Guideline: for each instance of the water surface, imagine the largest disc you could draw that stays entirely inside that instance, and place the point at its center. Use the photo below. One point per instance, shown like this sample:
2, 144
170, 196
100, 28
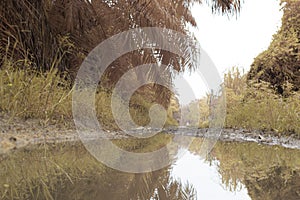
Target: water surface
231, 171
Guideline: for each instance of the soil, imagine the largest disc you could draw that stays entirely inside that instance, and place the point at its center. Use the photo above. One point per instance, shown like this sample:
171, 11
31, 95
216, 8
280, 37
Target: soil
17, 133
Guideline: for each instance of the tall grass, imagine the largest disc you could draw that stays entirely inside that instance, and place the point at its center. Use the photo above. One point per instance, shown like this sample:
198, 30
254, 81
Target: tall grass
47, 95
30, 93
257, 106
254, 106
27, 88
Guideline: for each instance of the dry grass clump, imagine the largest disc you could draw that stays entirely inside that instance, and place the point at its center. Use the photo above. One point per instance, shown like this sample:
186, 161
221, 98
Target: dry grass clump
30, 93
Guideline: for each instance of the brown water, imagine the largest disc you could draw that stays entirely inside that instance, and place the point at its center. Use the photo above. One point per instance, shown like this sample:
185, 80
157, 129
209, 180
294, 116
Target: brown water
238, 171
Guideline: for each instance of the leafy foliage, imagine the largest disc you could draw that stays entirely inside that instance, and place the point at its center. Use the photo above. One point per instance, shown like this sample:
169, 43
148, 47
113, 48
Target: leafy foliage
280, 64
29, 28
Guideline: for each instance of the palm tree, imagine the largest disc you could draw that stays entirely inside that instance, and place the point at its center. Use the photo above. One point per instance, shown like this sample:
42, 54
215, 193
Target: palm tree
31, 27
60, 33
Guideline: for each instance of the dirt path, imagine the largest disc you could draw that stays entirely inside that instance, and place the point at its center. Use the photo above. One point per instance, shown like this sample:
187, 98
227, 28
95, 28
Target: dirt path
18, 133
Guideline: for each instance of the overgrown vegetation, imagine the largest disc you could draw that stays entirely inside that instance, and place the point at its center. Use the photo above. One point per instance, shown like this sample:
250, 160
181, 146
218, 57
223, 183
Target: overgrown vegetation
254, 106
36, 81
47, 96
43, 43
270, 100
279, 65
267, 97
43, 31
258, 106
34, 94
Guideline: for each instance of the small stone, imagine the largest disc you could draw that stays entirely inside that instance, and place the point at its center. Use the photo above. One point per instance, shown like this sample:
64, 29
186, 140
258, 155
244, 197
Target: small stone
13, 139
261, 138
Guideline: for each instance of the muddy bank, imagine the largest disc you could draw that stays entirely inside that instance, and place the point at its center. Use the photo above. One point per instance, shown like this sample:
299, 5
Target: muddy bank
263, 137
17, 133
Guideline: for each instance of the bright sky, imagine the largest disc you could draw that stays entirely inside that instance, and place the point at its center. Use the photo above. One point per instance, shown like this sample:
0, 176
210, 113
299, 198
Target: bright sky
236, 41
233, 41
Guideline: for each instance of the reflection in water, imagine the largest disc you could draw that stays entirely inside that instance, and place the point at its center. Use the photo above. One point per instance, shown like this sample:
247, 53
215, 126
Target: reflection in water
232, 171
268, 172
69, 172
205, 179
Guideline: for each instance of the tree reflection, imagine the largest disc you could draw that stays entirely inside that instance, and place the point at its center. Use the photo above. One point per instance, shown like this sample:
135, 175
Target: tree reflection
268, 172
69, 172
